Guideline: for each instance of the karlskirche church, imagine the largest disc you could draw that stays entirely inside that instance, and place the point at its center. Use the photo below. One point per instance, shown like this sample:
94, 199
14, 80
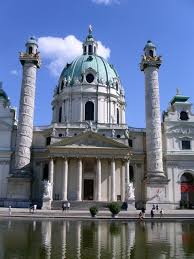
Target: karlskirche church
88, 154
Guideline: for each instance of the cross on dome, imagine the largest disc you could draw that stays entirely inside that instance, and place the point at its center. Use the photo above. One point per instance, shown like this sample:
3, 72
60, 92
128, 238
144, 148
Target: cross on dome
178, 91
90, 45
90, 29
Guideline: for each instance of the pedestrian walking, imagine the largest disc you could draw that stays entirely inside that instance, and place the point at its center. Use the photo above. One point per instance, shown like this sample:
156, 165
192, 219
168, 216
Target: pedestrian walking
161, 213
153, 207
63, 206
68, 205
141, 216
9, 210
143, 212
157, 208
152, 213
34, 207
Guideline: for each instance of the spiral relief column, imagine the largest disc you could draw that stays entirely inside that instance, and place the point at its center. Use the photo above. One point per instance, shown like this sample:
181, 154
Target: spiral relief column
30, 61
155, 179
150, 64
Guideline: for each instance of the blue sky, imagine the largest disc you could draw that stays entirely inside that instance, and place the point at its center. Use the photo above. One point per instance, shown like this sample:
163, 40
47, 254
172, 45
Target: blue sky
123, 27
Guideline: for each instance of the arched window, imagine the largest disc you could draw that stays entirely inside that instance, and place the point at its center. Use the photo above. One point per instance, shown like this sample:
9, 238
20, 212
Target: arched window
60, 114
62, 85
187, 186
89, 111
187, 178
117, 86
30, 50
117, 116
151, 53
90, 49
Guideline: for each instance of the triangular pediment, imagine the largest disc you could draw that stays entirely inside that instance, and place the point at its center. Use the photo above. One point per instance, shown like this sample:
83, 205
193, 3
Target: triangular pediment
89, 139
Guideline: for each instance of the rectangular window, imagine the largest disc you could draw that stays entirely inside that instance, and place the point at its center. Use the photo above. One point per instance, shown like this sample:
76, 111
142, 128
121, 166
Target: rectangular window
186, 144
130, 142
48, 141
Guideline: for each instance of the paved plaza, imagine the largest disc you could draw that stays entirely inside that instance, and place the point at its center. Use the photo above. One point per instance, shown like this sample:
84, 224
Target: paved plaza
85, 214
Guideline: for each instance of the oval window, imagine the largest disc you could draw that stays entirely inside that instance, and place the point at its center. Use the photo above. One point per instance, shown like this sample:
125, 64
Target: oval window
184, 116
90, 78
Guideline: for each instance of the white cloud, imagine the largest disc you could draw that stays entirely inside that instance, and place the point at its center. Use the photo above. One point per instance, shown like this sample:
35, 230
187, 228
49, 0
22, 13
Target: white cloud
14, 72
106, 2
58, 51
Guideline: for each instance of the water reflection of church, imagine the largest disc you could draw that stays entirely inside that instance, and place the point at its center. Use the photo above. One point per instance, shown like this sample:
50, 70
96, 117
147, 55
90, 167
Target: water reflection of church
94, 239
88, 152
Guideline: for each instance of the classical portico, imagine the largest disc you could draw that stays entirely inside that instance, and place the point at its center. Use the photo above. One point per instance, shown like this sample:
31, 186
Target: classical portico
83, 171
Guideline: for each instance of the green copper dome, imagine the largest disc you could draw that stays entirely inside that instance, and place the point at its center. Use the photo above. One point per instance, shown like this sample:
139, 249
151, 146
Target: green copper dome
103, 72
89, 68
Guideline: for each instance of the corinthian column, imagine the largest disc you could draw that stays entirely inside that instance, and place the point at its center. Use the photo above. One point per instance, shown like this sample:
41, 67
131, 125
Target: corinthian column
113, 193
65, 179
50, 176
79, 180
98, 174
123, 187
150, 65
30, 61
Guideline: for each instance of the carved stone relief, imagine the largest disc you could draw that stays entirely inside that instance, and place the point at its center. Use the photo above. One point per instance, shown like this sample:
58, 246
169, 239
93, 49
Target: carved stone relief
25, 123
153, 122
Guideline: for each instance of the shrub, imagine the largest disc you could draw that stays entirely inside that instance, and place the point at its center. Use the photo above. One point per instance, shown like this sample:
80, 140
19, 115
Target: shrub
93, 211
183, 204
114, 208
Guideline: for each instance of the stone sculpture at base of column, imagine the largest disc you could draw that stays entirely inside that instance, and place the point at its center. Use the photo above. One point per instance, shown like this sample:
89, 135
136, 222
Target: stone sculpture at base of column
47, 195
130, 196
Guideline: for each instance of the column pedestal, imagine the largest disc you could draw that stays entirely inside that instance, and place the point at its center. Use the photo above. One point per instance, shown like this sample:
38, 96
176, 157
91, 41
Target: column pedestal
157, 192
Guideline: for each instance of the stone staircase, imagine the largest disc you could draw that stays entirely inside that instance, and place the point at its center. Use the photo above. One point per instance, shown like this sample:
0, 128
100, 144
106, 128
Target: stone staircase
80, 205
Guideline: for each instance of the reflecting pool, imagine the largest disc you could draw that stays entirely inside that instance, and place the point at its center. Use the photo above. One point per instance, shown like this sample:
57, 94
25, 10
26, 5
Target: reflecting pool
95, 239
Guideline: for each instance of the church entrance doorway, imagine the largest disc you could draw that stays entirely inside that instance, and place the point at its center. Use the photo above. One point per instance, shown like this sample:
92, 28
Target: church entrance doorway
88, 189
187, 190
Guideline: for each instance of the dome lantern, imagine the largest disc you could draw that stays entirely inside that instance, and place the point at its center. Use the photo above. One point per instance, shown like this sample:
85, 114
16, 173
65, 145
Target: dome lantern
90, 45
150, 49
31, 45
